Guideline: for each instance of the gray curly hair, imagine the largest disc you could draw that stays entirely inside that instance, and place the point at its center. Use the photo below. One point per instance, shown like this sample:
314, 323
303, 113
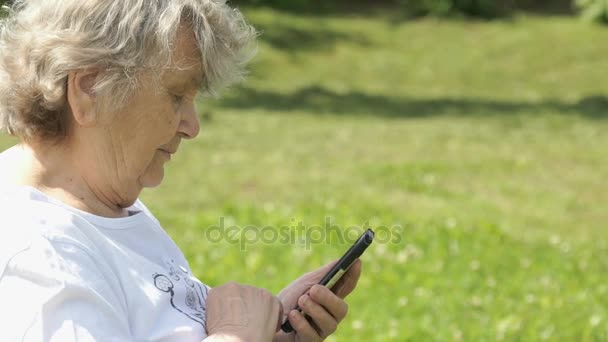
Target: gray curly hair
41, 41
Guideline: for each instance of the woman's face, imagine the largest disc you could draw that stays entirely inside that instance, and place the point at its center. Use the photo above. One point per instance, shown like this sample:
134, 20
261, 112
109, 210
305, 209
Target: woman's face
137, 141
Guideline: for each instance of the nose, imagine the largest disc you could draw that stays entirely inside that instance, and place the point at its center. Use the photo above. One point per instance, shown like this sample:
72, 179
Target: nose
189, 125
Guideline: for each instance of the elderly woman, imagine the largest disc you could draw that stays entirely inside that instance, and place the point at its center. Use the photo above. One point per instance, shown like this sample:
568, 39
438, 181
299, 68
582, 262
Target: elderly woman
101, 94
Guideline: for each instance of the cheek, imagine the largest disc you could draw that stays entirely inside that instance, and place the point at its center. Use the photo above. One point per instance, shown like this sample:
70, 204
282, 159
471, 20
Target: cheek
170, 121
162, 125
149, 134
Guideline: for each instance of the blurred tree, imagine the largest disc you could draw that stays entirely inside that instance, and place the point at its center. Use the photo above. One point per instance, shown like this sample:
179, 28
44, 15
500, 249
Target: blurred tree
593, 10
476, 8
313, 6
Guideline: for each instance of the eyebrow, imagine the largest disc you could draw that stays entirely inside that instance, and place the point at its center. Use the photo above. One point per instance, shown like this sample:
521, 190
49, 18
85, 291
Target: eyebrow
191, 81
188, 82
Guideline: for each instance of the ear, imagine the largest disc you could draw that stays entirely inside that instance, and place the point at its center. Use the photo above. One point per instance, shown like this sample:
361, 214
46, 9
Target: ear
81, 96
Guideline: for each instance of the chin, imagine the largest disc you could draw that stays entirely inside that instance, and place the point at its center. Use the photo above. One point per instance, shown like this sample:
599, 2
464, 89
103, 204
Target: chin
152, 179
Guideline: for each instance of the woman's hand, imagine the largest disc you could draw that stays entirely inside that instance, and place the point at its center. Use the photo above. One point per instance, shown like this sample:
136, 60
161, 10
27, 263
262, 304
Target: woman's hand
325, 308
242, 313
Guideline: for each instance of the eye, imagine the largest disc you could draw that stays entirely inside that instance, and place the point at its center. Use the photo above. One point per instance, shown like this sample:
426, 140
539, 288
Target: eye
177, 99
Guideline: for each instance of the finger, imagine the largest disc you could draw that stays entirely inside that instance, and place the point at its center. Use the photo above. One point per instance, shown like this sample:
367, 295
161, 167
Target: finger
302, 327
335, 305
280, 318
348, 282
290, 295
325, 323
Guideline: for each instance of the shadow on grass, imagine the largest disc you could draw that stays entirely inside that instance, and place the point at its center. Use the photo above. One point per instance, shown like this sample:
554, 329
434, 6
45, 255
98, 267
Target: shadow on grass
322, 101
335, 8
548, 8
282, 32
399, 11
282, 35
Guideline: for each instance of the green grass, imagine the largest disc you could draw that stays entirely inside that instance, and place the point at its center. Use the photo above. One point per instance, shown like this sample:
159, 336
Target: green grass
483, 141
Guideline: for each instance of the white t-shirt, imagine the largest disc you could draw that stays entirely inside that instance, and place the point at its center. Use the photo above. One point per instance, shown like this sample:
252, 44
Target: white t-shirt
67, 275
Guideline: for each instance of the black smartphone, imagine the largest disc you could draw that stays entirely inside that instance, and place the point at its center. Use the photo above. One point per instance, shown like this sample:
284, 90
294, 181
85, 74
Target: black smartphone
331, 278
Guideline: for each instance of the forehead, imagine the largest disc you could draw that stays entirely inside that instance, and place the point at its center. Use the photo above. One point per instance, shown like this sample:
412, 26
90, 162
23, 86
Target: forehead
186, 63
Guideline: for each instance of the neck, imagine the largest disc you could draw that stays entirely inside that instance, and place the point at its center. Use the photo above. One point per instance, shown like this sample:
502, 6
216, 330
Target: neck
53, 170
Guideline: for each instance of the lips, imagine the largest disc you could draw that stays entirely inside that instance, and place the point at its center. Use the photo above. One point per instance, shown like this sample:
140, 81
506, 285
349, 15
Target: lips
171, 148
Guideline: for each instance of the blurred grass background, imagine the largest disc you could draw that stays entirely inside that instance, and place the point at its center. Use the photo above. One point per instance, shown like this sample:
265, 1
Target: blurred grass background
484, 141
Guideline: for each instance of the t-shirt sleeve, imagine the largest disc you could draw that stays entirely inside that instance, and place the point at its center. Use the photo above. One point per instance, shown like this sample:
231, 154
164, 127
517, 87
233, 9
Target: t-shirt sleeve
57, 291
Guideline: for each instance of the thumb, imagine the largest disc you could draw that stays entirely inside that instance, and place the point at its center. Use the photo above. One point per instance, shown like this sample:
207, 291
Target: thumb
320, 272
315, 276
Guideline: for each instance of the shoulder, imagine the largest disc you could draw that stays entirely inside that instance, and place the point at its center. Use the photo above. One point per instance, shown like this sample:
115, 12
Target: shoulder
43, 242
10, 163
25, 211
54, 277
27, 223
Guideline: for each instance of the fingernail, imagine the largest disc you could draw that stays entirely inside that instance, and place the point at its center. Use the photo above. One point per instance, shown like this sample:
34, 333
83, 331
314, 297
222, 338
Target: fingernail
293, 314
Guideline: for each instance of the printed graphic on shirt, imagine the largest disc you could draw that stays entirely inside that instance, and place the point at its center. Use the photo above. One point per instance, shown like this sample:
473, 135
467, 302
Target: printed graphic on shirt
186, 294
